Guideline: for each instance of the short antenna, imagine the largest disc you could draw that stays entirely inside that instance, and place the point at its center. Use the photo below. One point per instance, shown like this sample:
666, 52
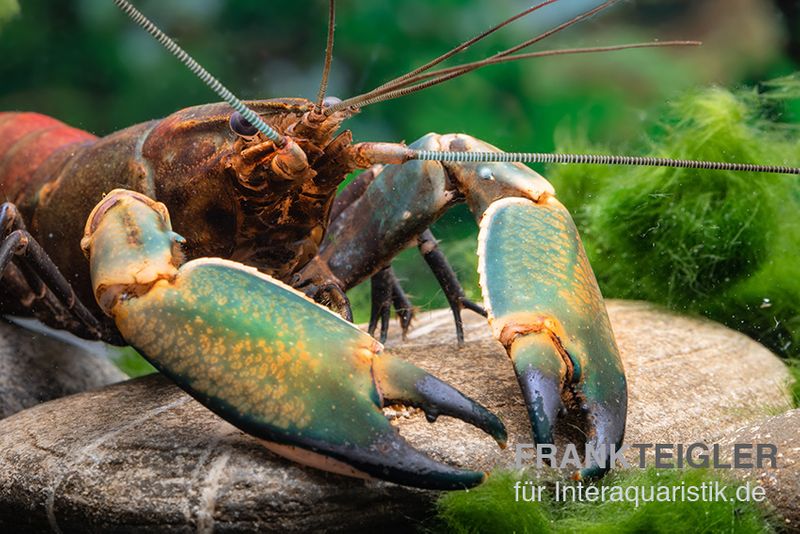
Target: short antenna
215, 85
326, 70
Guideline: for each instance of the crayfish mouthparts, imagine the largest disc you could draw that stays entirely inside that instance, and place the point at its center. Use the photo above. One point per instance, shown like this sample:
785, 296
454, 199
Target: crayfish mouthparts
257, 163
290, 162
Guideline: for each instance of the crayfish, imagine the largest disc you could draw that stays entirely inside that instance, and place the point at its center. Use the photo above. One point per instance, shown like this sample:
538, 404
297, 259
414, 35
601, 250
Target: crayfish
264, 337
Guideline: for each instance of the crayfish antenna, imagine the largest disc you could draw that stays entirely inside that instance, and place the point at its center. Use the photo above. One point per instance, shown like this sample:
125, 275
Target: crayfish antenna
323, 86
404, 84
466, 44
206, 77
593, 159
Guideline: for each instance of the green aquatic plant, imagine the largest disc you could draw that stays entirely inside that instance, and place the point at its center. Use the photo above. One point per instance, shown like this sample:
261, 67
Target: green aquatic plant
131, 362
493, 507
720, 244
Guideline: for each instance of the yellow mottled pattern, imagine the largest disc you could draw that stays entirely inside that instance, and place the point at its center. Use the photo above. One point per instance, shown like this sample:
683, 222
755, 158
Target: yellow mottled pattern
536, 272
250, 352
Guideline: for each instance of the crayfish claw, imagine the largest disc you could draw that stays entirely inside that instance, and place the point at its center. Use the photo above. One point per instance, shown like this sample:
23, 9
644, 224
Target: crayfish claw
264, 356
541, 374
604, 420
401, 382
545, 307
390, 457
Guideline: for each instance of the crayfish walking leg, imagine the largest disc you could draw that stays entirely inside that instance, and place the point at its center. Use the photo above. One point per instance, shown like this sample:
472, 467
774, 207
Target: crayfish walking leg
540, 293
33, 280
387, 292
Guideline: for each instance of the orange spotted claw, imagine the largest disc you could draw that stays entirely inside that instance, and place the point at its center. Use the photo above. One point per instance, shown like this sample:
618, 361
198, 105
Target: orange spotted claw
263, 356
544, 305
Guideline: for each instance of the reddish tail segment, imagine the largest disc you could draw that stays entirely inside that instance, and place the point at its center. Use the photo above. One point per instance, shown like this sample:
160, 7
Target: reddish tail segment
27, 140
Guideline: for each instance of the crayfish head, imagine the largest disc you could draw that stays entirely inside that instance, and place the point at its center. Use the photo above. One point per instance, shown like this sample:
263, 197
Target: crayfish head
130, 245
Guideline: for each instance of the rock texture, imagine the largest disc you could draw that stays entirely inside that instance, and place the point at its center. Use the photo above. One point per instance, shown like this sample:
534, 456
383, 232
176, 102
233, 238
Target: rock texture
35, 368
783, 483
688, 379
142, 455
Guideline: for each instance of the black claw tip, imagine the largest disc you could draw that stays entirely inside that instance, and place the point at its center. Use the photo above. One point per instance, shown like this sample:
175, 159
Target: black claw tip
542, 396
439, 398
390, 457
607, 427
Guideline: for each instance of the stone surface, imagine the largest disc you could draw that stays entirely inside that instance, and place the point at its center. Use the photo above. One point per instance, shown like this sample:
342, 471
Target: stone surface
141, 454
783, 483
35, 368
688, 379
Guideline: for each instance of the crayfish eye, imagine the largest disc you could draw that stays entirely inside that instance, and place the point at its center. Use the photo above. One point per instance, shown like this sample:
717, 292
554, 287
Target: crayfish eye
241, 126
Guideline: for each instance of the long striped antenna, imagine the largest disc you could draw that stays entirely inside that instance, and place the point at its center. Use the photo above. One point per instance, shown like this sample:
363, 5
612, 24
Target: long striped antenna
591, 159
215, 85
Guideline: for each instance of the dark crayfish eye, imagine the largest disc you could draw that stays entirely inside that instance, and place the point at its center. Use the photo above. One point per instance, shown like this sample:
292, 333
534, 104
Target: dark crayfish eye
240, 126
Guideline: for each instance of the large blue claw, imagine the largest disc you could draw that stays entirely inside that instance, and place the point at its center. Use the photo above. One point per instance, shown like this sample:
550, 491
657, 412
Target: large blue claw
263, 356
545, 307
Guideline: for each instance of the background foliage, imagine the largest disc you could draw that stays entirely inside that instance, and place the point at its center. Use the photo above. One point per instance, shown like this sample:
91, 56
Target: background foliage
720, 244
83, 62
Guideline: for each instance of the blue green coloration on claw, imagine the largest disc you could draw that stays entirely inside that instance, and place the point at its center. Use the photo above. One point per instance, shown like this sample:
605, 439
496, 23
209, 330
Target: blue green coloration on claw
263, 356
545, 307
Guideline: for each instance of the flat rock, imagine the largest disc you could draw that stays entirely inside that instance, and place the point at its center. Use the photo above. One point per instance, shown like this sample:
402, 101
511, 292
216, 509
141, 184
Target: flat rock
689, 379
35, 368
142, 455
782, 483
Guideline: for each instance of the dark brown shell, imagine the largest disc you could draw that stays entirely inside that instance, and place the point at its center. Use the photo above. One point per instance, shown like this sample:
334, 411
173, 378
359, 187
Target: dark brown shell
189, 161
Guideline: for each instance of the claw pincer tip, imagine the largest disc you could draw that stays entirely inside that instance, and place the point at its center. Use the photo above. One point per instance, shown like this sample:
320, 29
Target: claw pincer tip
546, 307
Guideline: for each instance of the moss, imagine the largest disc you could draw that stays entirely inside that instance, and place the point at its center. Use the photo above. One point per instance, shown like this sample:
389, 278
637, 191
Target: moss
722, 244
493, 507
